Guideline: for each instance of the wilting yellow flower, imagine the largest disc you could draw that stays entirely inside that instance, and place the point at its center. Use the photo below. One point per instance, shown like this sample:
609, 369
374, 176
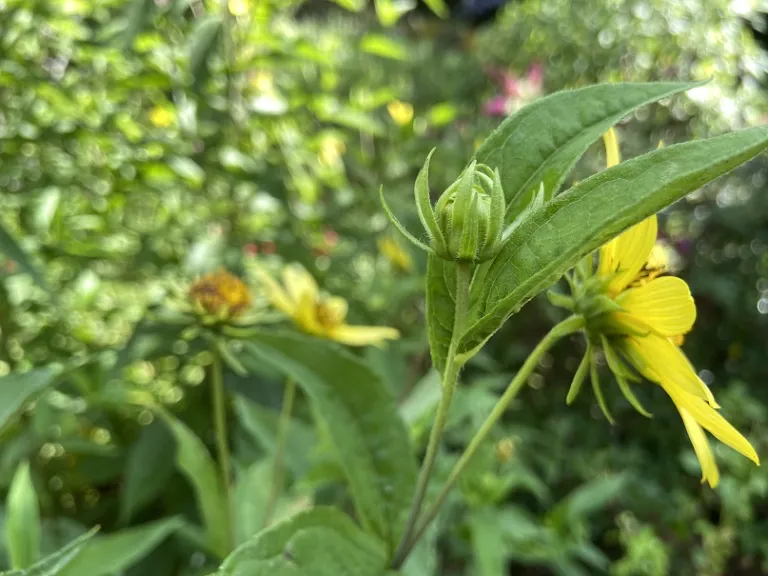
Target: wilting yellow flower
221, 294
401, 112
321, 315
161, 116
395, 253
637, 317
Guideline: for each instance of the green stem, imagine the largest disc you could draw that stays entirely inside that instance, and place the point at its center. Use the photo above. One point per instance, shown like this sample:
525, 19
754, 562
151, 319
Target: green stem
222, 444
450, 376
567, 326
278, 469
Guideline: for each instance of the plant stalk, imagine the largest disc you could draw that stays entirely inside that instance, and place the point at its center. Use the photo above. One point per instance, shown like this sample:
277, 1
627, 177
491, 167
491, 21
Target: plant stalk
278, 466
564, 328
450, 377
222, 442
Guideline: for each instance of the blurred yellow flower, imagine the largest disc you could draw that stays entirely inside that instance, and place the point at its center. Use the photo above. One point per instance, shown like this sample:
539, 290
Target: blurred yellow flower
642, 324
262, 81
401, 112
505, 450
395, 253
221, 294
239, 7
161, 116
331, 150
299, 298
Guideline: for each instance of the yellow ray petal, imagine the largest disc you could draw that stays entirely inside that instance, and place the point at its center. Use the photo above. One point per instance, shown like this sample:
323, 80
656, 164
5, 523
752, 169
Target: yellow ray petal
332, 311
606, 263
363, 335
306, 315
299, 282
665, 304
632, 249
709, 470
611, 143
711, 420
275, 293
656, 358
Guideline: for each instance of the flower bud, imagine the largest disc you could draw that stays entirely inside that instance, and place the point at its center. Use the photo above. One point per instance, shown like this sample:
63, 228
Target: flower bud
467, 222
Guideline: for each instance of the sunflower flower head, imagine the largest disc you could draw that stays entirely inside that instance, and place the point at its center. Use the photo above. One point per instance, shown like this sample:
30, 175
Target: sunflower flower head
636, 317
316, 313
220, 294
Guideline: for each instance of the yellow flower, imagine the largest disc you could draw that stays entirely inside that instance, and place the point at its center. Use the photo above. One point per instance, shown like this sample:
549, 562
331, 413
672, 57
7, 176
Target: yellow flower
395, 253
161, 116
401, 112
221, 294
299, 298
638, 317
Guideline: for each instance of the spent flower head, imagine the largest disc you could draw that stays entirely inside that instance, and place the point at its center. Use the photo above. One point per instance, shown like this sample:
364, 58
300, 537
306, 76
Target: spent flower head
316, 313
220, 294
637, 317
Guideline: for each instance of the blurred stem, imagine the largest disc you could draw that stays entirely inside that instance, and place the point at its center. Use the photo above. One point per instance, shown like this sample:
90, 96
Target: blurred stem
278, 470
450, 376
564, 328
222, 443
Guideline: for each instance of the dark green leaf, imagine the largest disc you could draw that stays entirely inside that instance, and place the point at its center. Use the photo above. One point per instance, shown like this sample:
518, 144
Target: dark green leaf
112, 553
150, 465
580, 220
362, 421
543, 141
441, 307
318, 542
17, 389
139, 15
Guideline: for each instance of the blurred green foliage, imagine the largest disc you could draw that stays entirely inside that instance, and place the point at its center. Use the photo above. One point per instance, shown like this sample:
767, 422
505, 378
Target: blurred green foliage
144, 143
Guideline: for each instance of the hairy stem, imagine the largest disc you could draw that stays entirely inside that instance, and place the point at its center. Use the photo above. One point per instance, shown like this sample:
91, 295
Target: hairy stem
222, 443
278, 466
568, 326
450, 376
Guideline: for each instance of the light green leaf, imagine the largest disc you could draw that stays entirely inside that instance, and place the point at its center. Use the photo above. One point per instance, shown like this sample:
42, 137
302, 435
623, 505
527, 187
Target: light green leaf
390, 11
543, 141
113, 553
361, 418
383, 46
489, 548
149, 466
441, 307
139, 14
580, 220
250, 499
196, 464
318, 542
22, 528
19, 388
53, 564
439, 7
204, 41
12, 250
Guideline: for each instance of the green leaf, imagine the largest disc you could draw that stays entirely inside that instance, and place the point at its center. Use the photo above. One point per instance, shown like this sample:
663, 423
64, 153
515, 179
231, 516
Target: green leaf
19, 388
12, 250
362, 421
22, 528
250, 499
383, 46
261, 424
543, 141
196, 464
139, 15
439, 7
489, 547
318, 542
112, 553
53, 564
441, 307
580, 220
204, 40
149, 466
588, 498
390, 11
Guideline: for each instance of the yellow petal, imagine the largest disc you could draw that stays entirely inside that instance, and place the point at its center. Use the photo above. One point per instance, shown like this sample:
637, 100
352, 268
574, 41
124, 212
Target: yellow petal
607, 260
275, 293
306, 315
631, 252
709, 471
711, 420
665, 304
656, 358
332, 311
363, 335
298, 282
611, 142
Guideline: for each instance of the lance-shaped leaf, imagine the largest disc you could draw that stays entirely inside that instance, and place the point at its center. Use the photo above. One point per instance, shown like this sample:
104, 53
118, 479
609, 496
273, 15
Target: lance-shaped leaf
543, 141
12, 250
53, 564
579, 221
424, 205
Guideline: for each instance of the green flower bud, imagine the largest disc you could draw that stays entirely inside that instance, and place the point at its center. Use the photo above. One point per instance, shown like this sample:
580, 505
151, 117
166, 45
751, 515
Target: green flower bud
470, 216
467, 222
